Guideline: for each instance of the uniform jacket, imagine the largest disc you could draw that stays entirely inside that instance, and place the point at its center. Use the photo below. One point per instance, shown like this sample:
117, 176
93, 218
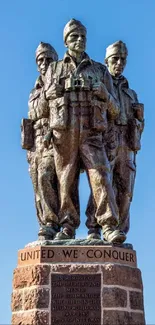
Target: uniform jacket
89, 70
39, 113
126, 97
127, 129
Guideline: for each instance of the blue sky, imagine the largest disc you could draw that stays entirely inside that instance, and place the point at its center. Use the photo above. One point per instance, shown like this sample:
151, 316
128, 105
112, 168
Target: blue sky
23, 24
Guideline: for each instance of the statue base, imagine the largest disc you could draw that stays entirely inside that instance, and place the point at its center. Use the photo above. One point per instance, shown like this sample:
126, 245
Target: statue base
77, 284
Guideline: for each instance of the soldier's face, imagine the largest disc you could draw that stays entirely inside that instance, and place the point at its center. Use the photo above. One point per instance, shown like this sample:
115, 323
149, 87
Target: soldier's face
116, 64
76, 41
43, 62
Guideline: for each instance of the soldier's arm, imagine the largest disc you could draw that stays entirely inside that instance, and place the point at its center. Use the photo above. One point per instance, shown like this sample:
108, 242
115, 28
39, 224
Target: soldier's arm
135, 96
31, 105
139, 108
135, 123
113, 105
138, 111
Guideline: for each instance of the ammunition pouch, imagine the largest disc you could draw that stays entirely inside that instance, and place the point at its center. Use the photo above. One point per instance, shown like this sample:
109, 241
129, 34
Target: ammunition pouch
58, 113
110, 140
99, 115
135, 128
138, 111
41, 127
27, 134
40, 123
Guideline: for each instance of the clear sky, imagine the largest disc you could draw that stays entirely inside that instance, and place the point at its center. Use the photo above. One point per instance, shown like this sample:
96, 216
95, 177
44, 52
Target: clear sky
23, 24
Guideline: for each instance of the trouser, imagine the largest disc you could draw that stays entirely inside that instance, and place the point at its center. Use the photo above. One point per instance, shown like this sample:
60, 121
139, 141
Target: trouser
71, 147
47, 185
33, 170
123, 172
43, 175
91, 221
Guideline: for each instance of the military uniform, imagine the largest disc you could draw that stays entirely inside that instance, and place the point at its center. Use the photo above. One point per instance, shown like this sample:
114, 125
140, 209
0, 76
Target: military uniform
42, 169
78, 119
127, 130
41, 161
121, 141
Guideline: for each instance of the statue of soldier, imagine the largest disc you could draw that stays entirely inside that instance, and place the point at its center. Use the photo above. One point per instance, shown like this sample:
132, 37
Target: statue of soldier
122, 140
41, 161
80, 94
128, 129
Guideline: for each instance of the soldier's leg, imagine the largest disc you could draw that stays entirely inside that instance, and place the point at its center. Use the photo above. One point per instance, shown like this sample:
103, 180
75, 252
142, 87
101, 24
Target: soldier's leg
94, 230
124, 178
33, 170
98, 170
110, 144
67, 169
47, 184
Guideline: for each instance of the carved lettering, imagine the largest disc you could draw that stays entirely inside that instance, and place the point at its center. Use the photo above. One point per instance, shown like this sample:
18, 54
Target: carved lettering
115, 254
36, 254
82, 254
29, 255
43, 253
75, 253
132, 258
23, 256
50, 253
107, 253
90, 253
76, 299
127, 257
98, 254
121, 256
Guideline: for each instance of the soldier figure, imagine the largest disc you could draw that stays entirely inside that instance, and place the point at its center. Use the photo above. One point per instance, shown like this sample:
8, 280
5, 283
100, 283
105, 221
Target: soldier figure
40, 159
122, 140
128, 129
80, 94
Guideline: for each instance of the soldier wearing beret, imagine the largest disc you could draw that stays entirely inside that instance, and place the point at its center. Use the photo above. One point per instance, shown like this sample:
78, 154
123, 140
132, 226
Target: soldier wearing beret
41, 161
80, 95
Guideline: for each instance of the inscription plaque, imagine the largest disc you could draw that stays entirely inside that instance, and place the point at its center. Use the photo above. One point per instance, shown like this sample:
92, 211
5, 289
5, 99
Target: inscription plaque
74, 254
76, 299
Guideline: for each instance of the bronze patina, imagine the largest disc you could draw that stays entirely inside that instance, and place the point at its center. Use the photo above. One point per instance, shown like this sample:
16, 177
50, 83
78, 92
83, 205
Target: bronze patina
82, 116
81, 96
40, 158
121, 140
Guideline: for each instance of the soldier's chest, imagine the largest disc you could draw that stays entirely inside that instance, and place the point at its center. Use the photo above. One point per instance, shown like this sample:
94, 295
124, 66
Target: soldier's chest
82, 70
125, 98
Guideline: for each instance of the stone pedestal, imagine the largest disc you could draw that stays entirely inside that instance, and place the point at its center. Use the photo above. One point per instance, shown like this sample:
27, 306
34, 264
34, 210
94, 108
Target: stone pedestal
77, 285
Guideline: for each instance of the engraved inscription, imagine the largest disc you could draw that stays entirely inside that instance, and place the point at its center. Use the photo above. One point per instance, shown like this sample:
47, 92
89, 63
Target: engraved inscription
76, 299
90, 254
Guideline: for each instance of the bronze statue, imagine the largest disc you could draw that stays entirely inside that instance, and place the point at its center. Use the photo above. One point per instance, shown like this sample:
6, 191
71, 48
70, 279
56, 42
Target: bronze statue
40, 158
82, 117
81, 96
121, 139
128, 129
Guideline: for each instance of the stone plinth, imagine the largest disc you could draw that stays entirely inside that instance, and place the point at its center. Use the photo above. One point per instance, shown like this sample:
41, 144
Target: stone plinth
77, 285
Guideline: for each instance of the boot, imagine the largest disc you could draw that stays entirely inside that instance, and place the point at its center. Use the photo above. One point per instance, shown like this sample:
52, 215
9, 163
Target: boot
48, 231
94, 233
65, 233
113, 235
